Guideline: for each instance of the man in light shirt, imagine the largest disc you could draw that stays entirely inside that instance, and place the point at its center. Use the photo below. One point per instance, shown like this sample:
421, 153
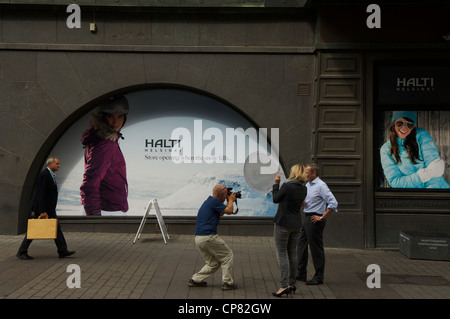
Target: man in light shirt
319, 204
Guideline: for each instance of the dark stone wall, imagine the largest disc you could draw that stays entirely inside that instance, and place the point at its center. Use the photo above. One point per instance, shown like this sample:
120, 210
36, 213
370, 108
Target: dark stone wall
50, 76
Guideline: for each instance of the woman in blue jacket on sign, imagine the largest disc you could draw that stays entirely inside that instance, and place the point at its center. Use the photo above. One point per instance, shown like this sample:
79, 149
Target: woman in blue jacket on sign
410, 158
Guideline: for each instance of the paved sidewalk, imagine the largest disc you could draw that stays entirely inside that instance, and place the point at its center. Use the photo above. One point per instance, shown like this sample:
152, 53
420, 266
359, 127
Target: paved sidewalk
112, 267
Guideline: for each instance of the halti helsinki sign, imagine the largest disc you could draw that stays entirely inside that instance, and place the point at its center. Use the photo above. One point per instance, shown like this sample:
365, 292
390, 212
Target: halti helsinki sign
424, 84
413, 85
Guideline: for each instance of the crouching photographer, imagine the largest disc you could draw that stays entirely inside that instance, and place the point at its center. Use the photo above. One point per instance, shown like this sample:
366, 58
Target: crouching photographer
214, 249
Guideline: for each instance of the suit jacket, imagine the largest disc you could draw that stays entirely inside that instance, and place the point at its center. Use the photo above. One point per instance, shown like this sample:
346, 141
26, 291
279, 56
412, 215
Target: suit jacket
290, 199
45, 195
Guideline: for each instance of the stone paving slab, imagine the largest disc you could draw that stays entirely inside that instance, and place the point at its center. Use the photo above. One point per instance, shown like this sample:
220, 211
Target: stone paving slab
112, 267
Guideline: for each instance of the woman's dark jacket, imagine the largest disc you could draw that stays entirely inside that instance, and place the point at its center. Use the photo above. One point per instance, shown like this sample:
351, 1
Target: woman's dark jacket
290, 199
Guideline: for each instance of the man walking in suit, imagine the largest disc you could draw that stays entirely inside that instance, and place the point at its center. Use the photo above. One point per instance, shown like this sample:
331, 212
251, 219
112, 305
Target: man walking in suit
44, 203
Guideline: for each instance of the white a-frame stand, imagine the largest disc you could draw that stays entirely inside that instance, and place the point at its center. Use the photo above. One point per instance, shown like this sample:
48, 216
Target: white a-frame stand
159, 217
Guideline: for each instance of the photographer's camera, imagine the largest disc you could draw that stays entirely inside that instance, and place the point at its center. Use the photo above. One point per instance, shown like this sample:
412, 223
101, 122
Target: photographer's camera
237, 194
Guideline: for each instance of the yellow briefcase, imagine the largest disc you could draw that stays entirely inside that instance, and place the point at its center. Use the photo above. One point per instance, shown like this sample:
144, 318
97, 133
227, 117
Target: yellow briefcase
42, 228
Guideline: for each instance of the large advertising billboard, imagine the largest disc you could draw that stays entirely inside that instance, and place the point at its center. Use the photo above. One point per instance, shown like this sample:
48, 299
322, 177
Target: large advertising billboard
412, 125
176, 146
414, 149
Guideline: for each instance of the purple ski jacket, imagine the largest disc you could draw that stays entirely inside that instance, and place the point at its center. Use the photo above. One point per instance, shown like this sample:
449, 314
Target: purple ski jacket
104, 184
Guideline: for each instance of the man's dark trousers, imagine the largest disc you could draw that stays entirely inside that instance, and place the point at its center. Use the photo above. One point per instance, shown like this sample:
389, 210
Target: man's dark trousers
311, 234
60, 242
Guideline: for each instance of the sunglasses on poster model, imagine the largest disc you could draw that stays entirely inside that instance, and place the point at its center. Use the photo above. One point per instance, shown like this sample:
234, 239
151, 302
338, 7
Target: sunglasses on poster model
409, 125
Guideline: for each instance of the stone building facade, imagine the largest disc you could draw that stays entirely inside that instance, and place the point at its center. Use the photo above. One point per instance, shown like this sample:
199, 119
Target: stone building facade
306, 67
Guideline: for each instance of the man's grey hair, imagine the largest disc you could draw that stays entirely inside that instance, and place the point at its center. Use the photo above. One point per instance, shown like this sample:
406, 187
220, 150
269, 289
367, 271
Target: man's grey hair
50, 160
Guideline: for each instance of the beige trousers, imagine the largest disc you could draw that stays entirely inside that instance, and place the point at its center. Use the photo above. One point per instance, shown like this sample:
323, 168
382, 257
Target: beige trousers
217, 254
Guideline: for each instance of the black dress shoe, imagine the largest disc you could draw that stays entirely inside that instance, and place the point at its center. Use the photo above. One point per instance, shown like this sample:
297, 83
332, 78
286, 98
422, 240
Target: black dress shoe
314, 282
66, 253
193, 283
286, 291
24, 256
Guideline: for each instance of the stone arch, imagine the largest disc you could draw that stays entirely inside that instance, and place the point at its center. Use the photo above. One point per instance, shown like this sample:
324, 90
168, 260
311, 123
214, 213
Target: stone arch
52, 88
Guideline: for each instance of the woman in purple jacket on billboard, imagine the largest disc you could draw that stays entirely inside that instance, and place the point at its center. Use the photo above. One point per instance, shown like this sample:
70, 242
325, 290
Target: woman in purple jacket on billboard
104, 190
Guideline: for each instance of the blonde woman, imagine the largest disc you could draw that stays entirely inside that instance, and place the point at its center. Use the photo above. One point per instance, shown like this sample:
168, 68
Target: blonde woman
287, 224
